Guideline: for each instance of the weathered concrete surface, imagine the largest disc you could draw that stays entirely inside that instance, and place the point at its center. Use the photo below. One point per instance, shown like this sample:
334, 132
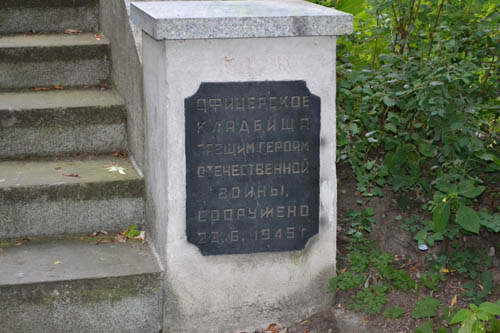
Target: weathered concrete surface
37, 199
227, 292
238, 19
48, 60
21, 16
126, 72
66, 121
72, 286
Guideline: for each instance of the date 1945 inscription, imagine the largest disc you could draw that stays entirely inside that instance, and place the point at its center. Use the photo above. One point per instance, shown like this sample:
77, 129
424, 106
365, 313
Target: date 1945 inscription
252, 166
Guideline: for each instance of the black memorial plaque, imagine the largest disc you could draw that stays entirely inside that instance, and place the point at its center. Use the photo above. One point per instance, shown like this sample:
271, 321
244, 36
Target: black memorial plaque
252, 166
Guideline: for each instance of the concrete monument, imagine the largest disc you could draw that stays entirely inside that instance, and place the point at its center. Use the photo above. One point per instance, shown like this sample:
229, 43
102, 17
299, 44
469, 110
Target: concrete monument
240, 158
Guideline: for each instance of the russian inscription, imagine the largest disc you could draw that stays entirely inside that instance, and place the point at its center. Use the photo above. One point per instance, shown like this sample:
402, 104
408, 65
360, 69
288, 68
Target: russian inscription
252, 166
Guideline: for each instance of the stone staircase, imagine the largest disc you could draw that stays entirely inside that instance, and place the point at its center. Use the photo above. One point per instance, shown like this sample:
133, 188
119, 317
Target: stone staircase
60, 128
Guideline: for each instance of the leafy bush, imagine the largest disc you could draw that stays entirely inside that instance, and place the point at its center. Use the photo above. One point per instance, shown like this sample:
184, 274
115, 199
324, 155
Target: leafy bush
478, 319
418, 101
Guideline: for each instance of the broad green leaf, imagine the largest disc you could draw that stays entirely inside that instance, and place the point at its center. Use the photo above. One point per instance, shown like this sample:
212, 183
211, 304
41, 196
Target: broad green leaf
434, 237
427, 149
440, 216
426, 327
420, 237
461, 316
425, 308
491, 308
467, 326
468, 219
369, 211
369, 165
351, 6
445, 186
468, 190
378, 192
489, 157
389, 101
391, 128
342, 139
483, 316
438, 197
494, 325
353, 128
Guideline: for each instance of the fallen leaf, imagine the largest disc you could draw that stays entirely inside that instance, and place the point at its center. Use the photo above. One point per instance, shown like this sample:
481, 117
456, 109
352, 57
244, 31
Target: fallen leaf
58, 87
116, 168
460, 288
453, 300
303, 323
98, 232
274, 328
72, 31
141, 236
481, 287
120, 238
71, 175
57, 262
58, 168
104, 84
21, 241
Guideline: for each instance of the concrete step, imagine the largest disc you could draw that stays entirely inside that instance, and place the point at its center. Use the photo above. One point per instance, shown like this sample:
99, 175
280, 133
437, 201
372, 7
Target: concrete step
61, 121
23, 16
28, 61
71, 285
68, 196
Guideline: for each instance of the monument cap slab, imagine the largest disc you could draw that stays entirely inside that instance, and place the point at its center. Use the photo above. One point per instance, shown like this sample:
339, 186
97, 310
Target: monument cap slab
181, 20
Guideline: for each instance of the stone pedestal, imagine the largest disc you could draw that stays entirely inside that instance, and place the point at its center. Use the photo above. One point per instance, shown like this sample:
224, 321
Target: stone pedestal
240, 171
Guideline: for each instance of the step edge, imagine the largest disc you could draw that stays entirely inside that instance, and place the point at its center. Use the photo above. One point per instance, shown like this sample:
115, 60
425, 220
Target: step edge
115, 99
7, 45
135, 187
155, 273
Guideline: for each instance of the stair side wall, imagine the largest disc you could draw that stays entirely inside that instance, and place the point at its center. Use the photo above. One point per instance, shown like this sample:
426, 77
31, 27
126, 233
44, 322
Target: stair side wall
126, 70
